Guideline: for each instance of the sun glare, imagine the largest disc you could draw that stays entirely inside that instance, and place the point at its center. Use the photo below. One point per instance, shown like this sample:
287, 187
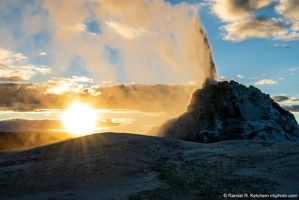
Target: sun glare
80, 119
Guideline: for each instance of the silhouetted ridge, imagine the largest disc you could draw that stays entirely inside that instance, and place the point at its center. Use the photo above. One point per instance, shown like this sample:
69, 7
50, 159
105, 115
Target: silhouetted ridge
229, 111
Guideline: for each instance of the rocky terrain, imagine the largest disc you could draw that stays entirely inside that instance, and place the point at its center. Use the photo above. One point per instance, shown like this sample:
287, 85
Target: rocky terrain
231, 111
127, 166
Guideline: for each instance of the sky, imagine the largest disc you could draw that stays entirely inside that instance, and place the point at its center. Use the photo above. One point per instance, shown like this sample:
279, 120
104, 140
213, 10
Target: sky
69, 45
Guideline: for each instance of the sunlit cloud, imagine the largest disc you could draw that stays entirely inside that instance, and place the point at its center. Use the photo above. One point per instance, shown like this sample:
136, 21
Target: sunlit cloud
63, 85
15, 67
290, 36
42, 54
8, 57
242, 21
254, 28
265, 82
122, 120
224, 78
295, 27
289, 9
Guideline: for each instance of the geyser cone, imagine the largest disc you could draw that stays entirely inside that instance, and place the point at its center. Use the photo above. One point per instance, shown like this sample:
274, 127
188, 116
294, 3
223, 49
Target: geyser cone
231, 111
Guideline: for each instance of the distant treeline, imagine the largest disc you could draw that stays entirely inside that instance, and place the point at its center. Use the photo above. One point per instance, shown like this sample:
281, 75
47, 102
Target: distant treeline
12, 140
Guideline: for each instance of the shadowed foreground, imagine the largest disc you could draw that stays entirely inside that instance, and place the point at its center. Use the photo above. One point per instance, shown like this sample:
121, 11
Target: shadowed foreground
127, 166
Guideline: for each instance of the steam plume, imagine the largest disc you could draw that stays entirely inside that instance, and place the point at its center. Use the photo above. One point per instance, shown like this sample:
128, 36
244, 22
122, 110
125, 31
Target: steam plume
204, 52
122, 41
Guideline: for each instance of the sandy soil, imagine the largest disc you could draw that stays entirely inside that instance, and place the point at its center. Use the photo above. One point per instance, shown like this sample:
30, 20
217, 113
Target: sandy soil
128, 166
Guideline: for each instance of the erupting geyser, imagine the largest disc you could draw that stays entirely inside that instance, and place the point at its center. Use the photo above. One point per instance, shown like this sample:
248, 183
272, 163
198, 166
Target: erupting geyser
228, 110
208, 62
203, 52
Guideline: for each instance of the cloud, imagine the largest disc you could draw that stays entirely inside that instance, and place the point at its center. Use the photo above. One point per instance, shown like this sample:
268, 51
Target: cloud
290, 36
64, 85
283, 98
42, 54
11, 78
60, 93
23, 125
265, 82
293, 69
242, 20
14, 67
289, 9
254, 28
235, 10
44, 125
8, 57
224, 78
240, 76
281, 46
292, 108
286, 46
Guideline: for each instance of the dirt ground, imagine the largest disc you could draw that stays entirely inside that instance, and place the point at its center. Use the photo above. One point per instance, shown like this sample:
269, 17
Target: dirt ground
128, 166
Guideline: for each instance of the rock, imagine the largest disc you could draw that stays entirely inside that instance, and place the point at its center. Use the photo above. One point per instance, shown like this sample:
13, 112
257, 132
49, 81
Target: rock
231, 111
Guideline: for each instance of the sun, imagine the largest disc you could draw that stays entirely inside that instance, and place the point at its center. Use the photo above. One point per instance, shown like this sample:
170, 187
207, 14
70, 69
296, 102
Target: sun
80, 119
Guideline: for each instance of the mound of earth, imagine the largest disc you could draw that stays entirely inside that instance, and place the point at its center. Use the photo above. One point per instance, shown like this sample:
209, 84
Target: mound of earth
231, 111
127, 166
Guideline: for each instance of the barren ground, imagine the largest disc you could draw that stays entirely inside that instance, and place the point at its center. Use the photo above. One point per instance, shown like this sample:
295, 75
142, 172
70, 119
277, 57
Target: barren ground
128, 166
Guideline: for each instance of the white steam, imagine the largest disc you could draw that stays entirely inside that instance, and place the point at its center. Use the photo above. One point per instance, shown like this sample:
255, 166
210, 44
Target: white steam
123, 41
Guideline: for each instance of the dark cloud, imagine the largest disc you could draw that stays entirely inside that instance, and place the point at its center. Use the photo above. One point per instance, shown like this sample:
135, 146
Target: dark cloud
151, 98
282, 98
42, 125
232, 10
243, 20
292, 108
11, 78
25, 125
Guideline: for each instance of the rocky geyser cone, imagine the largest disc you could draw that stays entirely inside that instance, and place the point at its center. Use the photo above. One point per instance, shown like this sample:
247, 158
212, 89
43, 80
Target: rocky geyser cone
230, 111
